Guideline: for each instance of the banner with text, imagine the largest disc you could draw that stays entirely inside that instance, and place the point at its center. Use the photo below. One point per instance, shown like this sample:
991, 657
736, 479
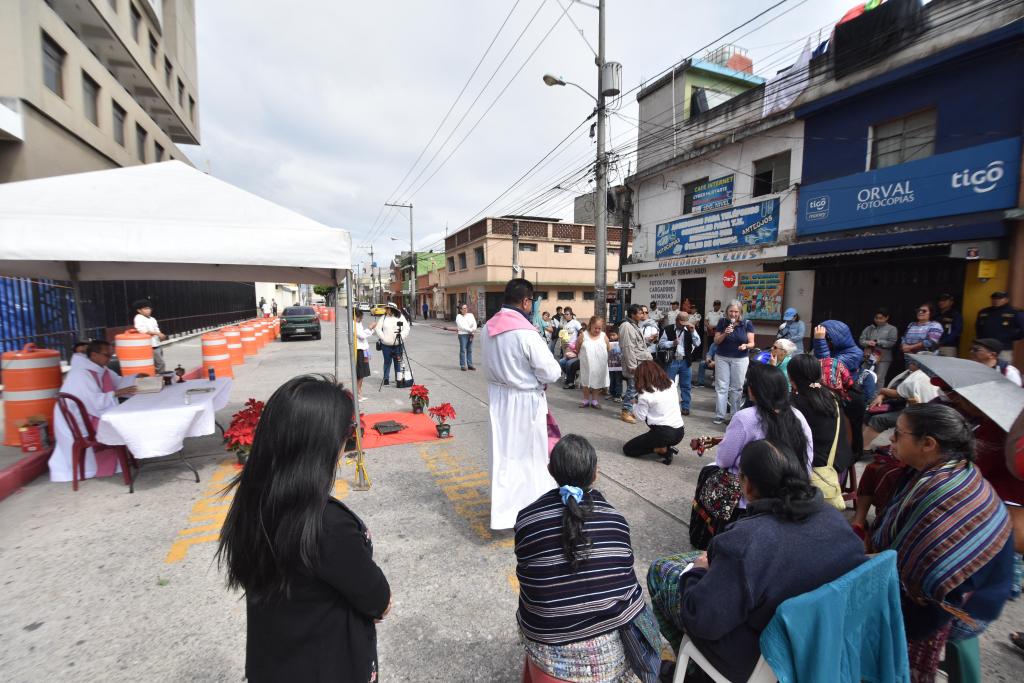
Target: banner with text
742, 226
761, 295
714, 194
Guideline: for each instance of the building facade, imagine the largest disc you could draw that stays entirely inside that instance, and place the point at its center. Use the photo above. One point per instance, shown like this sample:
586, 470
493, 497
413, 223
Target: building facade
557, 257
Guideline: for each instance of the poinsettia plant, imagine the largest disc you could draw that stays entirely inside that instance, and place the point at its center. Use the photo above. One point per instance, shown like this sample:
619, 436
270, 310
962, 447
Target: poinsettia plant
239, 434
419, 394
442, 413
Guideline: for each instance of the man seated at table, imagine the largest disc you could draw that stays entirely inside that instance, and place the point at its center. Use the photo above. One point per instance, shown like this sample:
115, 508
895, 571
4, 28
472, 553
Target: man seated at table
98, 388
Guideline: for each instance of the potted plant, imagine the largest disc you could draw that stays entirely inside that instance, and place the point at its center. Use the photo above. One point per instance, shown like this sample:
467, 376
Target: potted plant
420, 397
442, 414
239, 434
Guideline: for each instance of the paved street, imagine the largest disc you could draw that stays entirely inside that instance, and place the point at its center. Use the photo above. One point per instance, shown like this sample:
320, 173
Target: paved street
100, 585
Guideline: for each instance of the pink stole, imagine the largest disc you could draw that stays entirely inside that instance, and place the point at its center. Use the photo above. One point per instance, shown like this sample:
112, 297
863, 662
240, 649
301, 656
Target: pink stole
106, 458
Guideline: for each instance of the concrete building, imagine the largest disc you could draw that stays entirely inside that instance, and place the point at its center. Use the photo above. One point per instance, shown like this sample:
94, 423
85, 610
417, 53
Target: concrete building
426, 262
284, 293
557, 257
87, 85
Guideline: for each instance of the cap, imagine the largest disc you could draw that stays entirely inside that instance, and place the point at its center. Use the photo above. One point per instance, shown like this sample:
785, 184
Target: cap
993, 345
999, 294
945, 296
789, 314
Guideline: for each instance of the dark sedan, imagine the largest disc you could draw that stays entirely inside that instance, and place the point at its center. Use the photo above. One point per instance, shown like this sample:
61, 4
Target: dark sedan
299, 321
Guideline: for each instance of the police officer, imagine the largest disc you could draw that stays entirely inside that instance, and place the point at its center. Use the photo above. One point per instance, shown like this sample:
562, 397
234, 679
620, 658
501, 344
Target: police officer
952, 326
1002, 322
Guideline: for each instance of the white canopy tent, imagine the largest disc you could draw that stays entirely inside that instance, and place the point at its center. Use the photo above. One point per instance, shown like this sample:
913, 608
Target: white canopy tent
165, 221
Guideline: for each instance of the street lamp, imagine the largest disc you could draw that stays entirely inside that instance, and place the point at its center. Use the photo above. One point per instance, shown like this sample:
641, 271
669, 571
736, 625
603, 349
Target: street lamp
609, 76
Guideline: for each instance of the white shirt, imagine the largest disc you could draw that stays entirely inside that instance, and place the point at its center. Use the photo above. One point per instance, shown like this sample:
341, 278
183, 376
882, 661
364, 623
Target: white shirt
1011, 373
713, 317
266, 308
660, 407
917, 388
574, 326
362, 337
680, 350
147, 326
650, 331
466, 323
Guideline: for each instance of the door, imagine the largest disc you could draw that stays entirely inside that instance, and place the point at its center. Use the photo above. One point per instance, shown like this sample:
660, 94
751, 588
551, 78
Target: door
453, 307
694, 289
494, 301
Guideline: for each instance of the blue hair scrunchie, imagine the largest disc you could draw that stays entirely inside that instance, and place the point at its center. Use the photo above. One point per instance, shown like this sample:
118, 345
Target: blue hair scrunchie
571, 492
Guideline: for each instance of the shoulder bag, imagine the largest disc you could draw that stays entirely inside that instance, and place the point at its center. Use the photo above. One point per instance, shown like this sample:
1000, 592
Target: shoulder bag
715, 504
825, 478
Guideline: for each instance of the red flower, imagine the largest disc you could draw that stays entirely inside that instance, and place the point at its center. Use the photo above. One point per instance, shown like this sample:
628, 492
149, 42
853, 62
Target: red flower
239, 434
419, 391
442, 413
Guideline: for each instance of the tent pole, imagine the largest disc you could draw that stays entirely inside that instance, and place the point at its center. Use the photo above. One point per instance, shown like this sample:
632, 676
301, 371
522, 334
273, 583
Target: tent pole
362, 479
76, 292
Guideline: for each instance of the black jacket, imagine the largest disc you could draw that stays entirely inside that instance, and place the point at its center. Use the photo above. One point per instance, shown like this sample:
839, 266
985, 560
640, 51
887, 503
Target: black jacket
324, 631
694, 349
755, 565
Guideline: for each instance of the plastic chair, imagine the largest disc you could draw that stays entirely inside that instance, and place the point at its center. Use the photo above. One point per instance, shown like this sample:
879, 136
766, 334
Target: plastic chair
688, 650
533, 674
83, 442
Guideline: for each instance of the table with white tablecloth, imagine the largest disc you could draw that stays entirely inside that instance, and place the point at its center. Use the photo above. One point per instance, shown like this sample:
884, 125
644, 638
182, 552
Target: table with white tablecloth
157, 424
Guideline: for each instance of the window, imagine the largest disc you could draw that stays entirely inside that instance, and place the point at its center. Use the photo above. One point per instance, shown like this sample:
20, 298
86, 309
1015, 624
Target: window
140, 142
688, 190
154, 47
590, 250
613, 252
168, 70
119, 116
158, 152
462, 261
771, 174
181, 93
543, 296
478, 256
136, 22
53, 65
191, 109
563, 249
527, 246
906, 139
90, 98
566, 296
451, 264
588, 295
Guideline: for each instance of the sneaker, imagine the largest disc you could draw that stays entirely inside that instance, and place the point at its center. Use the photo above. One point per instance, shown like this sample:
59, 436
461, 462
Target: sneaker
463, 369
617, 399
718, 421
387, 382
470, 367
627, 416
685, 411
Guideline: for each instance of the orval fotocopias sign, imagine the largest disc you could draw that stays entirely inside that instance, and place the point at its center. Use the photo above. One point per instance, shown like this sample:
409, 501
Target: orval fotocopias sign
980, 178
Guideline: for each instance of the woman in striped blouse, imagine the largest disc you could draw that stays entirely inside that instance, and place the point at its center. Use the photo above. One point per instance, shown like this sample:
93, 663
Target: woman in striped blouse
923, 335
582, 615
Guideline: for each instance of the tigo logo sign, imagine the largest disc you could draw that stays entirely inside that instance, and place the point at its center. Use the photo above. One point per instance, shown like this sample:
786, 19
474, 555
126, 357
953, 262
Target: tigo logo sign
817, 208
981, 181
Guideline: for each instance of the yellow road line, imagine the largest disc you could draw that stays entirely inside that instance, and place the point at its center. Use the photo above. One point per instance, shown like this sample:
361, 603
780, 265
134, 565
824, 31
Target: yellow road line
180, 547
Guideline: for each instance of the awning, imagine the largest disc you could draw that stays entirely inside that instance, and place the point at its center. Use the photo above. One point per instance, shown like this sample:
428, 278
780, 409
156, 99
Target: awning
954, 231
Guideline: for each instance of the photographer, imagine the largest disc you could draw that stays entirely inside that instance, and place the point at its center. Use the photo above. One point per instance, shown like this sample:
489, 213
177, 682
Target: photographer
393, 331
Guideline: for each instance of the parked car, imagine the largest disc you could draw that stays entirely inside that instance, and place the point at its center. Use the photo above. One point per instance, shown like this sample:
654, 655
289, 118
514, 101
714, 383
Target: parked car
299, 321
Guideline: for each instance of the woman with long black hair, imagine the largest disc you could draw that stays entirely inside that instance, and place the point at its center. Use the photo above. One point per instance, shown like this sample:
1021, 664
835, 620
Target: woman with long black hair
771, 417
582, 615
313, 592
788, 543
821, 408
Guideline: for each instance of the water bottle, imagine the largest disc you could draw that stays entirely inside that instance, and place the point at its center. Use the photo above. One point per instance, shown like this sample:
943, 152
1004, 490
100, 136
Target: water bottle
212, 373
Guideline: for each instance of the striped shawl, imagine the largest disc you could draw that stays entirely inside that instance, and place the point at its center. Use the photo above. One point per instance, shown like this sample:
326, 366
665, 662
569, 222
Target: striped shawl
559, 606
945, 523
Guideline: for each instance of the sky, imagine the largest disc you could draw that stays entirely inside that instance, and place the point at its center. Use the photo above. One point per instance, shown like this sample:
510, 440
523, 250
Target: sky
324, 106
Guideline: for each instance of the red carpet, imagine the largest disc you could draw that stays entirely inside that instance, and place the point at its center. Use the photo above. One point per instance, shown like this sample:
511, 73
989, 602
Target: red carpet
420, 428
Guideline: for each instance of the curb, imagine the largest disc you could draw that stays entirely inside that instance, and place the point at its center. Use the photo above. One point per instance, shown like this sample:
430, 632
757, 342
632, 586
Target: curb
22, 472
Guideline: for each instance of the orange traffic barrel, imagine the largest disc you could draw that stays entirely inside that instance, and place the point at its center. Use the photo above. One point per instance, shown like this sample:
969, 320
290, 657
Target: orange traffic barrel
234, 337
31, 380
277, 328
323, 314
215, 355
248, 339
330, 314
135, 353
261, 333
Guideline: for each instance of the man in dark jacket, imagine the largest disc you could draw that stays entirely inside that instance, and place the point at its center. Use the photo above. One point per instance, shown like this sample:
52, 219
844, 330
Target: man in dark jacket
952, 326
1001, 321
634, 350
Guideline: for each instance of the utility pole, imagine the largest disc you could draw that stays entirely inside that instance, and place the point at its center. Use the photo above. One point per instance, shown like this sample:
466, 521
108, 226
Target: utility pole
412, 259
515, 248
373, 285
623, 203
601, 220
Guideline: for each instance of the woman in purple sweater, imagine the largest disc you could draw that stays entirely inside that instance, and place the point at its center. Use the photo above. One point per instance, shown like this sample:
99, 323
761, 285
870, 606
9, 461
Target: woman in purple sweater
772, 417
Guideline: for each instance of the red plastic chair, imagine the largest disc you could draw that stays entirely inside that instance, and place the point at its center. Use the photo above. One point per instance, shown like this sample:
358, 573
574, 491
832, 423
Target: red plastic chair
83, 442
533, 674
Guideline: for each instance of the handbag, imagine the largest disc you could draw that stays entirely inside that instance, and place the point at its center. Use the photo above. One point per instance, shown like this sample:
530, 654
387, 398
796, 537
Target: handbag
826, 479
715, 504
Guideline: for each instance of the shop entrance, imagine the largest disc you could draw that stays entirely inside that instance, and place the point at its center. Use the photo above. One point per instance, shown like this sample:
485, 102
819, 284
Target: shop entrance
695, 289
493, 303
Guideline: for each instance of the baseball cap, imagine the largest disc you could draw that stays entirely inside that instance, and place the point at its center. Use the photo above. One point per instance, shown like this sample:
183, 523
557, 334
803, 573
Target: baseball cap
999, 294
789, 314
993, 345
945, 296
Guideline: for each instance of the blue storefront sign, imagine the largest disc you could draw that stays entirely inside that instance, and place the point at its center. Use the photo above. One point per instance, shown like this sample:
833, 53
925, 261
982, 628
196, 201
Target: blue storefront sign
714, 194
741, 226
980, 178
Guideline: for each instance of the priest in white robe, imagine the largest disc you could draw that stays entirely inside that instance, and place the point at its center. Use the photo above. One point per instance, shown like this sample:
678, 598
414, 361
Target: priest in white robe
98, 388
519, 366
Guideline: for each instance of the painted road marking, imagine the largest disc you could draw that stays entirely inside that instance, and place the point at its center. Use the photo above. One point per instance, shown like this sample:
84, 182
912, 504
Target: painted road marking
208, 513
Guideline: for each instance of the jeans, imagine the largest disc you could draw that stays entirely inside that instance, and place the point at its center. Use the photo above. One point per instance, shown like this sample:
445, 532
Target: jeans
703, 367
391, 353
629, 395
158, 360
615, 383
571, 368
657, 436
465, 350
729, 376
553, 344
680, 368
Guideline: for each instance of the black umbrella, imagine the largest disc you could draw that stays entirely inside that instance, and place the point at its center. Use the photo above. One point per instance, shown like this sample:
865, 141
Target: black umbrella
983, 387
